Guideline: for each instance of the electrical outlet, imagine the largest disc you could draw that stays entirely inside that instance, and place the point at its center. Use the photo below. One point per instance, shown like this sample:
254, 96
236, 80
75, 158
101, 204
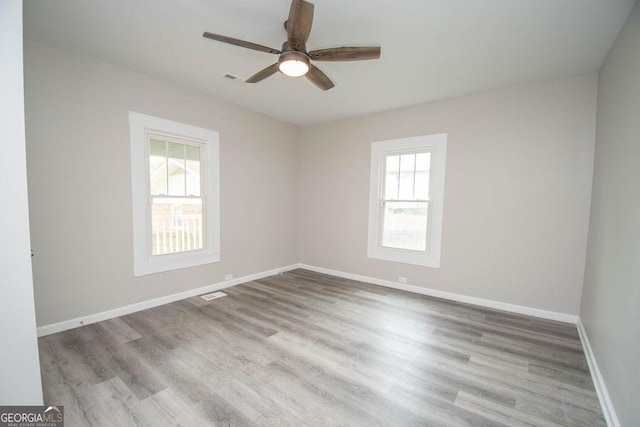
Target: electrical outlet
228, 276
402, 279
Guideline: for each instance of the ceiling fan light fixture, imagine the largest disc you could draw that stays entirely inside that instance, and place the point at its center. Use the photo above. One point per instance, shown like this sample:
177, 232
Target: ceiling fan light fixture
293, 63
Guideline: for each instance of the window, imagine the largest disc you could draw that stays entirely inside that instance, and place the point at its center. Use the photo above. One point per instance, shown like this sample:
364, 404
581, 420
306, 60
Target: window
176, 194
406, 199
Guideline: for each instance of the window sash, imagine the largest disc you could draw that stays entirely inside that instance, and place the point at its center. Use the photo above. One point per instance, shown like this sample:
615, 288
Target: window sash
185, 148
173, 234
419, 242
400, 190
404, 226
176, 233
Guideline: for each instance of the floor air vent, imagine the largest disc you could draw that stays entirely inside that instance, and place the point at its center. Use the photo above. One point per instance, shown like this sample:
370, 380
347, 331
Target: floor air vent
209, 297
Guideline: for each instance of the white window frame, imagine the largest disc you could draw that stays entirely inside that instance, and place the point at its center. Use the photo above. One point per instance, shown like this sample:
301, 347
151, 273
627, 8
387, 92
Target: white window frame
141, 127
437, 146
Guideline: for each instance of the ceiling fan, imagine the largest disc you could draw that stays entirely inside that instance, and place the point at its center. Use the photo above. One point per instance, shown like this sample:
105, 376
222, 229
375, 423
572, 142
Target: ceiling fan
294, 60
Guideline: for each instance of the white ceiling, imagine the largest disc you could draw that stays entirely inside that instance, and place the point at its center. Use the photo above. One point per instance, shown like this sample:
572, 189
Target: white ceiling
431, 49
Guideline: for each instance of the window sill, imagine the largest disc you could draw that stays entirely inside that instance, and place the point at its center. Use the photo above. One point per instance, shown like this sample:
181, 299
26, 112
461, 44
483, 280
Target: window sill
405, 257
173, 262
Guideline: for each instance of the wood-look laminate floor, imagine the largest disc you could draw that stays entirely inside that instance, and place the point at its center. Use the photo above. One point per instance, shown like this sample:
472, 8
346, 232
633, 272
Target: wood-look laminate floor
302, 348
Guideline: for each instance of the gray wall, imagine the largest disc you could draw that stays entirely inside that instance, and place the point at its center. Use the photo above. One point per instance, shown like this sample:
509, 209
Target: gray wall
516, 207
517, 193
610, 312
19, 364
80, 184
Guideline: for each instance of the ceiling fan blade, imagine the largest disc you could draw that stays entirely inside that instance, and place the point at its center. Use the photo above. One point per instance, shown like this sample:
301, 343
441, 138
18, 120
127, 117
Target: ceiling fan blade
346, 53
241, 43
299, 23
319, 78
263, 74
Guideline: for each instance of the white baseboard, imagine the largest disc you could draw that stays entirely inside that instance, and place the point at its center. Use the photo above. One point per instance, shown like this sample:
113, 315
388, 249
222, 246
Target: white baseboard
143, 305
601, 389
529, 311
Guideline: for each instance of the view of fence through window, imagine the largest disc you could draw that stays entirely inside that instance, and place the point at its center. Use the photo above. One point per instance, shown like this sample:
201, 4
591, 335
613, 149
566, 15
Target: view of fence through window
406, 201
175, 192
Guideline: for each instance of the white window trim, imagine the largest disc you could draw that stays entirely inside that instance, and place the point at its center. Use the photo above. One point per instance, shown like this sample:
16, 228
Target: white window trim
437, 145
143, 262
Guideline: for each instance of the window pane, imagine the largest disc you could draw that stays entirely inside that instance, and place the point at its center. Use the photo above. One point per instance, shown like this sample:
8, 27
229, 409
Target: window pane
405, 225
391, 177
423, 163
407, 167
175, 151
193, 170
176, 225
176, 164
157, 166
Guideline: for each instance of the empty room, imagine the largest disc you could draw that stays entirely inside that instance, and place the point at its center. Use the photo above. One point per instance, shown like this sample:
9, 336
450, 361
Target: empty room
292, 212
